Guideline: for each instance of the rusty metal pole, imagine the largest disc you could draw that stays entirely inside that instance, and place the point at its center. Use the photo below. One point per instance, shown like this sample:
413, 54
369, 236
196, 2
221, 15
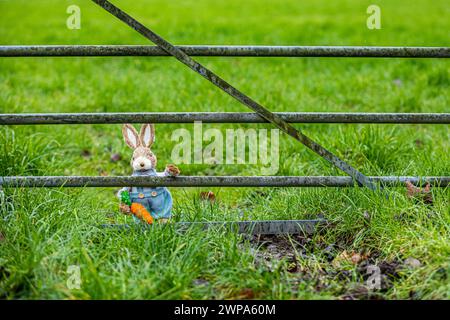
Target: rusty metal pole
238, 95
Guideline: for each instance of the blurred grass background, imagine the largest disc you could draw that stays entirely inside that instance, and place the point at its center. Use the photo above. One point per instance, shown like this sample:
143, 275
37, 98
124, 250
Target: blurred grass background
44, 231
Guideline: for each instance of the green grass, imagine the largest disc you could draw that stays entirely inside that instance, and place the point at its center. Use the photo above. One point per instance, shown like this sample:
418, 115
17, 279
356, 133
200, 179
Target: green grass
44, 231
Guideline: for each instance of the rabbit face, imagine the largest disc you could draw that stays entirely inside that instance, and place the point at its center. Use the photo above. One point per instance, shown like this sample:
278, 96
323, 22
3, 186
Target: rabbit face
143, 158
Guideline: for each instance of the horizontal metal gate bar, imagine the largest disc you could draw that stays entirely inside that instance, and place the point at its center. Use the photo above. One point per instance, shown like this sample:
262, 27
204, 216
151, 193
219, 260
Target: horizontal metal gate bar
248, 227
226, 51
213, 181
220, 117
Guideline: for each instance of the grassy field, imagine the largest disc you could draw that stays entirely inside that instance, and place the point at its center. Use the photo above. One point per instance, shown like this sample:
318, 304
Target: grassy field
43, 231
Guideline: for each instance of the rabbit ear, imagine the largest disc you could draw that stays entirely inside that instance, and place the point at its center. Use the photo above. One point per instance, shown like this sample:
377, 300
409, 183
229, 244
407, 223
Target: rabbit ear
147, 135
130, 136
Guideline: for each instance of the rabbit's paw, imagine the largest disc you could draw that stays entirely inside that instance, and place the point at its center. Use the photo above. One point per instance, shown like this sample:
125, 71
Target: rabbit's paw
124, 208
172, 170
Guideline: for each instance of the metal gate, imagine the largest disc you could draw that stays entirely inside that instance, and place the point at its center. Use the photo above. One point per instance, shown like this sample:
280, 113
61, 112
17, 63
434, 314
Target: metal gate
261, 114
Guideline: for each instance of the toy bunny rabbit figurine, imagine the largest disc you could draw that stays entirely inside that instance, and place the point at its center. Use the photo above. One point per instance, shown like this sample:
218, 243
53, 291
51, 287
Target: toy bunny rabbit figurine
155, 201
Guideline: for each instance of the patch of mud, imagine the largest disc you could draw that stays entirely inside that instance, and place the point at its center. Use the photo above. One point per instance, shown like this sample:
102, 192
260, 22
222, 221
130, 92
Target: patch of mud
352, 270
361, 292
269, 250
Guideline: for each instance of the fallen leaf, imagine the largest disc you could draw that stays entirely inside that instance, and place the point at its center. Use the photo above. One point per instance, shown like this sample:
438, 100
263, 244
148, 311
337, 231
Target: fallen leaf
103, 173
356, 258
418, 143
115, 157
417, 193
343, 257
247, 293
208, 196
349, 258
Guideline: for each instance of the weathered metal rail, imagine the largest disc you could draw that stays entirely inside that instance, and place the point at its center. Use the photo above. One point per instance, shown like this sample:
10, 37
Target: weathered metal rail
248, 227
214, 181
220, 117
226, 51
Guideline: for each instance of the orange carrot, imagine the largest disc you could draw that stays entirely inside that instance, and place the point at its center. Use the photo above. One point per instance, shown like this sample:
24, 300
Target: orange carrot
140, 212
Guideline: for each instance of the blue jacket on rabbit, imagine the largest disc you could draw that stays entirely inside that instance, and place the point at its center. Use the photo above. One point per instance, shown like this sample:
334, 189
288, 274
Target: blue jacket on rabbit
157, 200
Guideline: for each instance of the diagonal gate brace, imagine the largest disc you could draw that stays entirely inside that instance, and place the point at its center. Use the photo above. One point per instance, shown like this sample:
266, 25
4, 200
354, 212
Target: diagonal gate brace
238, 95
